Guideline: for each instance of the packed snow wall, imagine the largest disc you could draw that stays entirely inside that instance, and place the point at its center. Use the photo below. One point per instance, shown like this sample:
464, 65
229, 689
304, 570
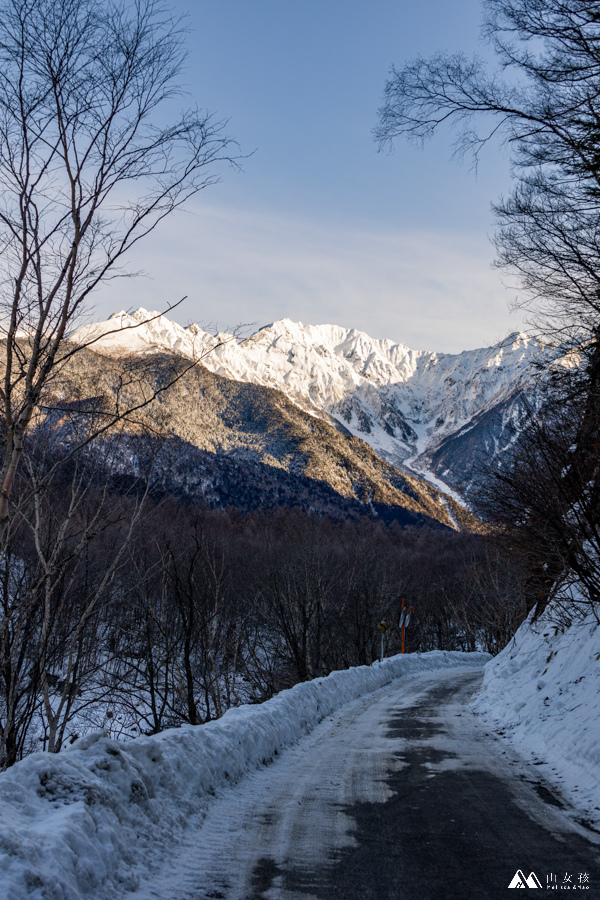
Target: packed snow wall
86, 822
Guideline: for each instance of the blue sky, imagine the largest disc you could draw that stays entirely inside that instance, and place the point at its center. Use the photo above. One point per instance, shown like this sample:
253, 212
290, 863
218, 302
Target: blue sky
319, 226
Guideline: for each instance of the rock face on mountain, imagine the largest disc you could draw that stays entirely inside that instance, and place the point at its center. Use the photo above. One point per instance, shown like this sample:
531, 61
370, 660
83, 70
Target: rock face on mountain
235, 444
434, 414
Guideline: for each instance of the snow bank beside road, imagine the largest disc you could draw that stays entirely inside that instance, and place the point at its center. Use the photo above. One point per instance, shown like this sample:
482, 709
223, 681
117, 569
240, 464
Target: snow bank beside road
543, 693
88, 821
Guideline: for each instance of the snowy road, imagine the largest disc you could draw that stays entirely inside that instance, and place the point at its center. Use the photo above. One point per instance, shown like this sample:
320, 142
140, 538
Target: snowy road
400, 794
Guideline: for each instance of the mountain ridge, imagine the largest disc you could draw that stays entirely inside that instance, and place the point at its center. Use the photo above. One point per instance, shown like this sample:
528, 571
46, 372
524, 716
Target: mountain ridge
411, 406
225, 443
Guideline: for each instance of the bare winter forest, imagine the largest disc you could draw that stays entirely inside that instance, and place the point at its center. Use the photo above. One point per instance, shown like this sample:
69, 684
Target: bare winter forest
128, 602
131, 612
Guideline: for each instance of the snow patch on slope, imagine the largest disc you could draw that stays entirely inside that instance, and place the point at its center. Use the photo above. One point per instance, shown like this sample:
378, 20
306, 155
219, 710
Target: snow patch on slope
543, 693
93, 820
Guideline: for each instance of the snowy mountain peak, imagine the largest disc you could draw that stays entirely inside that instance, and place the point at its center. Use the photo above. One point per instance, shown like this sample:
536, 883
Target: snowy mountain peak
405, 403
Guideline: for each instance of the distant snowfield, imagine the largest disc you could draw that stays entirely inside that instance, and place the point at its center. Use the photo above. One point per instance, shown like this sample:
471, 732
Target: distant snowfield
543, 694
90, 822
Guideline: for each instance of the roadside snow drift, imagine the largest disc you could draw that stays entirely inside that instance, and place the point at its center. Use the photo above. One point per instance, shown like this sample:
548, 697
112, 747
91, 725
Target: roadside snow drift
543, 693
90, 821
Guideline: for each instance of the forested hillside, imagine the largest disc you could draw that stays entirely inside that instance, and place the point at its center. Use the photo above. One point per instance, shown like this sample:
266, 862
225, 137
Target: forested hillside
212, 548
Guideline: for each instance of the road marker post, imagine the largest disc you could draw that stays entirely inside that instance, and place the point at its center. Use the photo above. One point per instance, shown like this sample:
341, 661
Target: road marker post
404, 620
383, 627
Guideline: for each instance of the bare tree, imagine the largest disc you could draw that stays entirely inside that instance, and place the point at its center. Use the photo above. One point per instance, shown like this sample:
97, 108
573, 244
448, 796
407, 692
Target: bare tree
544, 100
70, 542
87, 169
545, 499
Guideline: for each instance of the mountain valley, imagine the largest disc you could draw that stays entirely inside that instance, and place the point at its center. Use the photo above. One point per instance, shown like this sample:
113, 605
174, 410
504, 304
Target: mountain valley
441, 417
230, 443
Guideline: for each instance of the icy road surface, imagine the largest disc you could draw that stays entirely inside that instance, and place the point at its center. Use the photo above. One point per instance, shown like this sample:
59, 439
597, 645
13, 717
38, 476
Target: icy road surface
400, 794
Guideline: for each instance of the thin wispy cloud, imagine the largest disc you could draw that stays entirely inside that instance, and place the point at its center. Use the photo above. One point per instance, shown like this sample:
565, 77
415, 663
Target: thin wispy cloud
426, 289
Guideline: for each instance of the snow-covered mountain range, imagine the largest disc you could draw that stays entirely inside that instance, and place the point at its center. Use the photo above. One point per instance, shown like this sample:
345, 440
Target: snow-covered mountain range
435, 414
